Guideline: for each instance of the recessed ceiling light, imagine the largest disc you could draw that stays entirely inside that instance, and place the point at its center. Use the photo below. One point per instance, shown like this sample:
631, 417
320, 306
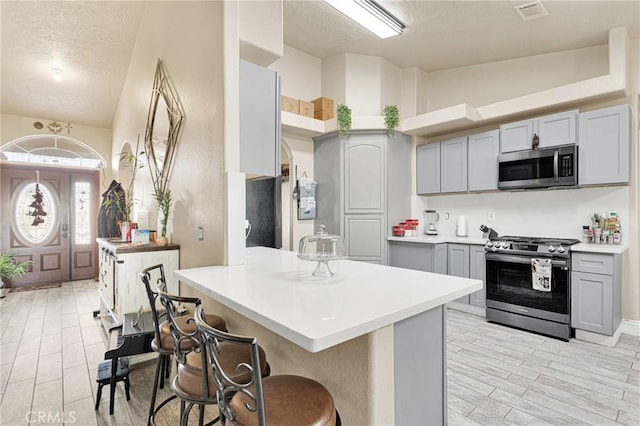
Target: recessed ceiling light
57, 74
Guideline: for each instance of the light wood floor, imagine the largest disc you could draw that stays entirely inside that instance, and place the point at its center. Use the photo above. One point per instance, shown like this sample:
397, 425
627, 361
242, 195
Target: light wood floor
503, 376
50, 346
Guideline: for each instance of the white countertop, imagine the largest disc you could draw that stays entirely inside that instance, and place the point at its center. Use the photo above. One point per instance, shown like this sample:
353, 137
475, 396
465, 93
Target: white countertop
438, 239
276, 289
600, 248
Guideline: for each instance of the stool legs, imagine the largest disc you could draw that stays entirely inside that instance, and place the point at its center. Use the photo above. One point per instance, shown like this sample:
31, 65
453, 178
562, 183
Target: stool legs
158, 383
99, 395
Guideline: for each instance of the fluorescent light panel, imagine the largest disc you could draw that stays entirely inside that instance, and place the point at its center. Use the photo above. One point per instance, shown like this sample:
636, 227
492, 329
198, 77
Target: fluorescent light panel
370, 15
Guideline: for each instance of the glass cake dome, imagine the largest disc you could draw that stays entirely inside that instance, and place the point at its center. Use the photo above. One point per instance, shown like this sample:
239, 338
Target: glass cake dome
322, 247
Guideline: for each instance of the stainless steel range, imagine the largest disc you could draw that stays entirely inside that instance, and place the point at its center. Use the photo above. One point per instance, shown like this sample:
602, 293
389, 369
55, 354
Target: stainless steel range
529, 283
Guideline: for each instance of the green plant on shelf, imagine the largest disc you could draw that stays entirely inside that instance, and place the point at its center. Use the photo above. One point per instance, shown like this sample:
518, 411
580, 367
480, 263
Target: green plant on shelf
343, 118
391, 118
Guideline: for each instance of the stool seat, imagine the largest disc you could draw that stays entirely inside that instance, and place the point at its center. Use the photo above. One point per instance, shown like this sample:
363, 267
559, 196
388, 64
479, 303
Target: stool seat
104, 377
188, 325
288, 400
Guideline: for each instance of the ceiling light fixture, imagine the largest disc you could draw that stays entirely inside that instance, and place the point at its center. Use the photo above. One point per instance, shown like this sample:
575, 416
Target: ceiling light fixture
57, 74
370, 15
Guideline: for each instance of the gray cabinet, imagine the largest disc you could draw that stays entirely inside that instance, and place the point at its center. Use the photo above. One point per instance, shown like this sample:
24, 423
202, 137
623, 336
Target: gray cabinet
604, 146
364, 186
364, 175
428, 168
440, 259
483, 150
596, 287
477, 270
453, 165
259, 120
364, 237
419, 257
552, 130
458, 264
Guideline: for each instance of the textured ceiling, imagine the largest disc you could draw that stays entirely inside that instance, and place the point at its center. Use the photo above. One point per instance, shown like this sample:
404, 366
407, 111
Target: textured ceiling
93, 40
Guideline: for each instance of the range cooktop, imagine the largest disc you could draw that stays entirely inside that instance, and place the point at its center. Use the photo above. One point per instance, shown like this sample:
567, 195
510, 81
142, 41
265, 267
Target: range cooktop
531, 246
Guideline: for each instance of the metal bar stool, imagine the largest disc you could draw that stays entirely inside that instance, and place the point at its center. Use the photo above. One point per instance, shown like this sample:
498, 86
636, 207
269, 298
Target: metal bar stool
246, 398
163, 341
193, 384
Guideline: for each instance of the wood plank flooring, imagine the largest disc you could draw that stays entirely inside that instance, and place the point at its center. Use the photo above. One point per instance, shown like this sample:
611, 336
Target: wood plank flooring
503, 376
50, 345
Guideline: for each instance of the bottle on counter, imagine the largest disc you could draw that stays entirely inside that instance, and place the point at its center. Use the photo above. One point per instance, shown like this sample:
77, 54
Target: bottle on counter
585, 234
617, 236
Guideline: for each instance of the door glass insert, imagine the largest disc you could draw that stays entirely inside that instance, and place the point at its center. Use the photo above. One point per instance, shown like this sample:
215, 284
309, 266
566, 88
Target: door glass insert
24, 218
82, 195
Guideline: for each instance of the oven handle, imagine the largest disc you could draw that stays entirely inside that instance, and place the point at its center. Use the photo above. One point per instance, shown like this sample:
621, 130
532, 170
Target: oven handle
522, 260
555, 165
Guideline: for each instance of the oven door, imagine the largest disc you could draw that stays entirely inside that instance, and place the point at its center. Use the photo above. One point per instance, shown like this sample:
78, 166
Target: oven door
510, 287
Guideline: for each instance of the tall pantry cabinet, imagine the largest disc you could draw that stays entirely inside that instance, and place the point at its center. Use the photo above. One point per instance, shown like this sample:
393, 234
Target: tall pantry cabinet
364, 187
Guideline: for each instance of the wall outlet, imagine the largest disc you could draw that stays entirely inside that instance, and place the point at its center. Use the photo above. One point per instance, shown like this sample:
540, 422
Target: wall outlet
200, 233
491, 217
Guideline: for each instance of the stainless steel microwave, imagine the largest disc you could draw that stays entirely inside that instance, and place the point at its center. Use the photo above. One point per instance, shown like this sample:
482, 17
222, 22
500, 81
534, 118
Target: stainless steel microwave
542, 168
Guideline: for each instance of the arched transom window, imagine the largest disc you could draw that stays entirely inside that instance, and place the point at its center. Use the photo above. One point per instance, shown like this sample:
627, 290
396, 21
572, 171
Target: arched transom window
55, 150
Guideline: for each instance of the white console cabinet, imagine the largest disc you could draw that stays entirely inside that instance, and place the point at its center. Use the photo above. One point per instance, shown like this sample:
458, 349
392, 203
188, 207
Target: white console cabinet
121, 290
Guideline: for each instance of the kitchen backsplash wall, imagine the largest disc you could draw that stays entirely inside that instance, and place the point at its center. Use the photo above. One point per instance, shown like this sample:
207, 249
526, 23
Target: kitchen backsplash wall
546, 213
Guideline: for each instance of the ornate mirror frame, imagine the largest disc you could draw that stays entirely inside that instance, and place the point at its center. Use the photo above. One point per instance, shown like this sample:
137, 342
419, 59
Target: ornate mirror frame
164, 93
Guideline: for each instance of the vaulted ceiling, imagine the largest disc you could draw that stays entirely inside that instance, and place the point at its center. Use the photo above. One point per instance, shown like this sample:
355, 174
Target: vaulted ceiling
92, 42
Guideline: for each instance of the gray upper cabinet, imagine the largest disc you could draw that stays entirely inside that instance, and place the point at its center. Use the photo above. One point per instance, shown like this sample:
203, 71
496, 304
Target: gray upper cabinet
453, 165
428, 168
483, 149
477, 270
259, 120
364, 188
603, 156
458, 264
552, 130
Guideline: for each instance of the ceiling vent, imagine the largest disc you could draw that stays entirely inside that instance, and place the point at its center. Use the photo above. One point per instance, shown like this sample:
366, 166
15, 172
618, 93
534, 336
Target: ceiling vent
532, 10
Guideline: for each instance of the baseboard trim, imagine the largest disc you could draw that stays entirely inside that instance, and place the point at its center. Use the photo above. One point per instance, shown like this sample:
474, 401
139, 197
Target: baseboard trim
600, 339
631, 327
470, 309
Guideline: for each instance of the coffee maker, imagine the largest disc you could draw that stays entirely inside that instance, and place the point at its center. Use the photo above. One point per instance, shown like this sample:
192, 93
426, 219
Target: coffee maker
430, 219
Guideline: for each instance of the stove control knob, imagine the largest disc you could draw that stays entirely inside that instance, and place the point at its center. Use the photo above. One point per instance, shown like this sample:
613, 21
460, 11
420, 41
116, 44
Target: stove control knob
551, 249
489, 244
561, 249
505, 245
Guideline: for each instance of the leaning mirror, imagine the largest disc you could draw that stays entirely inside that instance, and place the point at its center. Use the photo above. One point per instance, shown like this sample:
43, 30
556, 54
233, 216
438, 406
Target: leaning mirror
163, 124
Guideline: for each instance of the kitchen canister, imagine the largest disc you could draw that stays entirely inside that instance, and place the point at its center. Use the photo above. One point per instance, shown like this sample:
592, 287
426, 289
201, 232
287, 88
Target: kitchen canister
461, 226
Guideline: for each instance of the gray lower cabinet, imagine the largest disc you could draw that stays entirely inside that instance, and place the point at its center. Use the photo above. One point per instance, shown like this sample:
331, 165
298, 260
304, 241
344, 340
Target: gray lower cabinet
596, 287
412, 255
604, 146
259, 120
440, 259
477, 270
458, 264
364, 187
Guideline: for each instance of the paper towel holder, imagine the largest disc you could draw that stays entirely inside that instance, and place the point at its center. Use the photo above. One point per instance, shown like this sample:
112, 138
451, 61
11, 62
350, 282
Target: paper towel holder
461, 227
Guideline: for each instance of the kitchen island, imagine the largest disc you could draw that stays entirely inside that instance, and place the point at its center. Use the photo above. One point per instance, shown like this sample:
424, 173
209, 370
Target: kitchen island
374, 335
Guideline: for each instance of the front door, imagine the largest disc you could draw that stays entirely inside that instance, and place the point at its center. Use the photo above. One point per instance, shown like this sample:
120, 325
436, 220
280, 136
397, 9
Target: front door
56, 234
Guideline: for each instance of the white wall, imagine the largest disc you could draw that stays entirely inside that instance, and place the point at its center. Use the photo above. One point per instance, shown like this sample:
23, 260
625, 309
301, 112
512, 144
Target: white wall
261, 31
334, 78
496, 81
187, 36
13, 127
362, 83
301, 74
550, 213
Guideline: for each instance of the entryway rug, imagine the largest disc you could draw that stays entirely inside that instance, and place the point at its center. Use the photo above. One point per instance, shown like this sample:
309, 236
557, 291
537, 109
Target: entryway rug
34, 287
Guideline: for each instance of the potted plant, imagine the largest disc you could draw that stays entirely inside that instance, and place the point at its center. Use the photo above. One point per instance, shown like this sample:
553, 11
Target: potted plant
343, 118
10, 269
391, 118
162, 194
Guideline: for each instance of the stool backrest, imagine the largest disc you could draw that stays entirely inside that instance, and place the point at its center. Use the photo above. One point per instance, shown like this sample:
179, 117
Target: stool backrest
147, 276
213, 342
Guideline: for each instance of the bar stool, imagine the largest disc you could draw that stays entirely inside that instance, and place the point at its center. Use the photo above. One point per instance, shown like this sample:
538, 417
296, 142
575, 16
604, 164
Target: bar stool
253, 400
163, 341
193, 384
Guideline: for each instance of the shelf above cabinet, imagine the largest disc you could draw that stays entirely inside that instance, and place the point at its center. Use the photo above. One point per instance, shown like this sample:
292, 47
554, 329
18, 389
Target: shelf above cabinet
299, 125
